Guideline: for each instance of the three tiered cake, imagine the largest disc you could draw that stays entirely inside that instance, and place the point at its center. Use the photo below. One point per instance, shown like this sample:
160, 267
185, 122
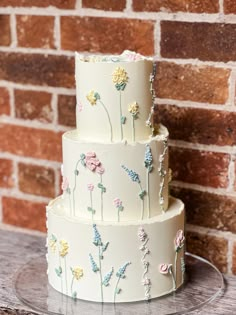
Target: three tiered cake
115, 234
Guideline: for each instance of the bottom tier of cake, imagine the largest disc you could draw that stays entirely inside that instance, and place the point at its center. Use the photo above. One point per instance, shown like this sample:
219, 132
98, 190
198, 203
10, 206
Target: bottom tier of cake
116, 262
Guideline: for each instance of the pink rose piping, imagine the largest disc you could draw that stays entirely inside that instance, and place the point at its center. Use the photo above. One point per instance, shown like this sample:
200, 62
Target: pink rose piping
117, 202
165, 268
93, 163
179, 239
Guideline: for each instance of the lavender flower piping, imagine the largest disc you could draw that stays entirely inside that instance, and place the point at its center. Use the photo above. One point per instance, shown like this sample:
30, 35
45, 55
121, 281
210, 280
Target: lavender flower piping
148, 159
135, 178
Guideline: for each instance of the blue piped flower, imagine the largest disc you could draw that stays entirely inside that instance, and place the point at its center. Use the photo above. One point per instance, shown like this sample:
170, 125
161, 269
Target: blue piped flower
121, 272
97, 237
148, 159
107, 278
132, 175
93, 264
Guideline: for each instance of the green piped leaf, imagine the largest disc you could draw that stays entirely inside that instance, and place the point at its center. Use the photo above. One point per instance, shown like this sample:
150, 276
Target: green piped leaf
90, 209
76, 172
74, 295
120, 86
142, 194
123, 120
104, 248
58, 271
103, 189
118, 290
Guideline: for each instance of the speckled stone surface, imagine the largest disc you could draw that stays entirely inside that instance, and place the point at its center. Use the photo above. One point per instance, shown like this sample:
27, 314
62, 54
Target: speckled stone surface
17, 248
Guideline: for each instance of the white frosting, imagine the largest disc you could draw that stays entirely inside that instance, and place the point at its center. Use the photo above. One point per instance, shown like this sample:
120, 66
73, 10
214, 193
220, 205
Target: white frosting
92, 121
124, 246
115, 179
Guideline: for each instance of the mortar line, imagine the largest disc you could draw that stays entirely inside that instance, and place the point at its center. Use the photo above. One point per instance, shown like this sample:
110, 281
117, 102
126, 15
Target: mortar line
14, 193
13, 31
157, 39
212, 232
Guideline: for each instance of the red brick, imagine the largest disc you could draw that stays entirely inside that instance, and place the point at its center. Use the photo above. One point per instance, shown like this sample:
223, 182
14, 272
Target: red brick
37, 69
4, 102
33, 105
107, 35
204, 41
192, 83
195, 6
6, 173
207, 209
209, 247
200, 167
36, 180
229, 7
234, 260
35, 31
5, 33
31, 142
198, 125
24, 213
66, 110
61, 4
109, 5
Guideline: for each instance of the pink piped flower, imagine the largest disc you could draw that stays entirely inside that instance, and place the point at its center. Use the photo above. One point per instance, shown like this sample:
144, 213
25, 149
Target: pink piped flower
134, 56
179, 240
165, 268
117, 202
142, 234
65, 184
93, 163
90, 187
146, 281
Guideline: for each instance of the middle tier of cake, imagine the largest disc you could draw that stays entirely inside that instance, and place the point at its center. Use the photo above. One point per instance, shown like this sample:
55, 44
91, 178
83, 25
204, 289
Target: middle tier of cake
115, 181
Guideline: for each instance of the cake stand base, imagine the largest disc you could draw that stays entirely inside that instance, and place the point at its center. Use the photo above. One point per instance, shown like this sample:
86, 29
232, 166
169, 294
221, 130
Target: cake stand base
203, 284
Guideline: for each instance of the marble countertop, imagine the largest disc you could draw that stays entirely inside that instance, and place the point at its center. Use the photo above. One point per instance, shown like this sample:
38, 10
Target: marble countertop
18, 246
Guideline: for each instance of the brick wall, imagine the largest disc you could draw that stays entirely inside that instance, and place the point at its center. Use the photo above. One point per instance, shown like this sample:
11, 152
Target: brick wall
195, 44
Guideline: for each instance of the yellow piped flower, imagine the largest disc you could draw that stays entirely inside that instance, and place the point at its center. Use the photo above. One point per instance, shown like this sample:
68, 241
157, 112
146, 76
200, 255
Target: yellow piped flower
119, 76
91, 97
77, 273
133, 108
64, 248
52, 245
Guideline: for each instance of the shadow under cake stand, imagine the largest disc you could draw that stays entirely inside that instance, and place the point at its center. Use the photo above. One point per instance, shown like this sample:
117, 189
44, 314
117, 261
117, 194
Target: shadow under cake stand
203, 284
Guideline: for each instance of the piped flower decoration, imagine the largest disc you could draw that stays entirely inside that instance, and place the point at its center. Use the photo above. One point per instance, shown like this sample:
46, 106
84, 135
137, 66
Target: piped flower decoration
118, 204
121, 272
179, 240
132, 175
97, 237
165, 268
107, 278
134, 109
53, 243
77, 272
90, 187
148, 159
120, 78
64, 247
93, 163
142, 235
92, 97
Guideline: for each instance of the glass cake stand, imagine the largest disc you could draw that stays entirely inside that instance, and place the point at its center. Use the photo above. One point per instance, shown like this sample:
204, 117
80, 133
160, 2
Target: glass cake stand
203, 284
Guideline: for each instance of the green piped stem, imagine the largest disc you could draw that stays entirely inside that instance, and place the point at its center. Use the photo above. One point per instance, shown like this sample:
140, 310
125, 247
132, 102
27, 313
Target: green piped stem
148, 195
176, 256
121, 127
101, 199
118, 215
117, 283
109, 120
142, 203
65, 275
61, 276
100, 272
173, 279
74, 188
91, 203
133, 129
72, 282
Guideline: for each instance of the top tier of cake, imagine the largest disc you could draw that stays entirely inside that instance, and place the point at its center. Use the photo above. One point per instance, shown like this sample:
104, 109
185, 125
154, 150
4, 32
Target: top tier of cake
114, 97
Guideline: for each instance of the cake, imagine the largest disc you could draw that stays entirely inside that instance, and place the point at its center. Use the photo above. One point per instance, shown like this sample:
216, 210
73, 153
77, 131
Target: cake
115, 235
